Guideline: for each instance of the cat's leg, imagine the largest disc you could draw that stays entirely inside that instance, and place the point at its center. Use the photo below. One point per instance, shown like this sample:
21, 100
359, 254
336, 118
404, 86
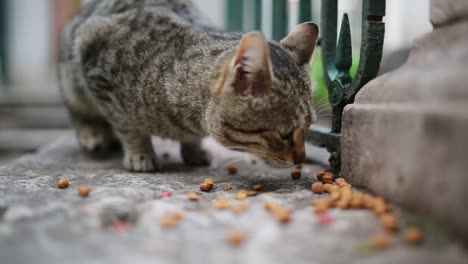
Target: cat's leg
139, 154
94, 133
193, 154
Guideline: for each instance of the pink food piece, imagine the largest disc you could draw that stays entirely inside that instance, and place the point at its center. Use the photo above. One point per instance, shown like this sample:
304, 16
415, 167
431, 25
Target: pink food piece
120, 227
165, 195
325, 219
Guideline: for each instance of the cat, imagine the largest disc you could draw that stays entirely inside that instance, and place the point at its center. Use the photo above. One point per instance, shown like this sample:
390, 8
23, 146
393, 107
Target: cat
130, 69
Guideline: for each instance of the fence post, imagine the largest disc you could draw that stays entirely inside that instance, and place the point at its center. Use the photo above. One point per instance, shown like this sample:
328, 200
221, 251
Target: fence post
234, 14
337, 61
280, 19
305, 11
4, 69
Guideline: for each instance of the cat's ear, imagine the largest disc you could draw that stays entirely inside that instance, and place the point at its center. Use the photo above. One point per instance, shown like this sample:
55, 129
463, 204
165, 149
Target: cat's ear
251, 70
301, 41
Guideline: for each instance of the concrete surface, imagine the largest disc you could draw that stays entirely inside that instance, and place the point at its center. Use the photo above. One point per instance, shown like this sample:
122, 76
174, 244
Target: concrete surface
42, 224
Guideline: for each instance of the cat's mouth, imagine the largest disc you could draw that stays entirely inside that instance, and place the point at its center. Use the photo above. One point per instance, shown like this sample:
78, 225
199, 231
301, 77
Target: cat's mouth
277, 163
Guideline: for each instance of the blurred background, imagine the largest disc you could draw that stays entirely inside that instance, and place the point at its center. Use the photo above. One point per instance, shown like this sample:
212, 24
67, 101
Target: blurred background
31, 112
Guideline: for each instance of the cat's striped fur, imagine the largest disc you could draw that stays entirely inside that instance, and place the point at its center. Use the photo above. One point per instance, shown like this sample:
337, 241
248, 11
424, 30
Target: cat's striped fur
130, 69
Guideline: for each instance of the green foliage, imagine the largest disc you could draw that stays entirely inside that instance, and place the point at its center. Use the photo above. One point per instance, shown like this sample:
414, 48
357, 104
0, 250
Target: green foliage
321, 93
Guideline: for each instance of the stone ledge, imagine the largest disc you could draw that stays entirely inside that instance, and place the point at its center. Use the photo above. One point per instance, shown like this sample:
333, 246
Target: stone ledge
412, 154
447, 11
435, 71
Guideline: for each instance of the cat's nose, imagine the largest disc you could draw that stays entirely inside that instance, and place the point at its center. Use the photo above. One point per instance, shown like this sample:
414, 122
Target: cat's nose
298, 154
299, 157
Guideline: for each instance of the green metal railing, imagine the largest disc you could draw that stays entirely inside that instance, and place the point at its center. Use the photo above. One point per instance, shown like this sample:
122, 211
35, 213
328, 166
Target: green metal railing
336, 58
4, 73
337, 61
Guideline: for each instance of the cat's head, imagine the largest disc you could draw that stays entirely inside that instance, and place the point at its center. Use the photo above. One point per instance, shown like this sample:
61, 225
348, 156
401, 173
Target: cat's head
263, 97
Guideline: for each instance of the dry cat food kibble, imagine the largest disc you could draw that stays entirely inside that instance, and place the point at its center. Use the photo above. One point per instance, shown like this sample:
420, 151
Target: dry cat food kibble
317, 187
84, 190
241, 195
340, 180
240, 208
253, 161
192, 196
327, 178
413, 236
171, 220
282, 215
232, 170
251, 193
389, 222
235, 237
222, 203
63, 184
321, 207
335, 196
320, 175
328, 187
209, 181
228, 187
380, 241
257, 187
296, 174
205, 187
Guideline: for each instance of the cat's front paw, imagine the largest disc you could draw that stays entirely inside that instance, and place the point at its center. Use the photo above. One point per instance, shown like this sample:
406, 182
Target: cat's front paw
199, 157
141, 163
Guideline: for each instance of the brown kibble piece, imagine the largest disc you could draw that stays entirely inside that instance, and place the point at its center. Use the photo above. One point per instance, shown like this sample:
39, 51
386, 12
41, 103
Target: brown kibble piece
379, 206
296, 174
171, 220
413, 236
240, 208
328, 187
253, 161
340, 180
235, 237
232, 170
166, 155
251, 193
319, 201
282, 216
209, 181
335, 196
192, 196
222, 203
63, 184
84, 190
343, 203
257, 187
205, 187
269, 206
241, 195
327, 178
357, 200
321, 208
299, 167
369, 201
228, 187
389, 222
320, 175
380, 241
317, 187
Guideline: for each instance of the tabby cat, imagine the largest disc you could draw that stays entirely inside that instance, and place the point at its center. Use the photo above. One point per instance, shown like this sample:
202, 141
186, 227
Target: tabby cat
130, 69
